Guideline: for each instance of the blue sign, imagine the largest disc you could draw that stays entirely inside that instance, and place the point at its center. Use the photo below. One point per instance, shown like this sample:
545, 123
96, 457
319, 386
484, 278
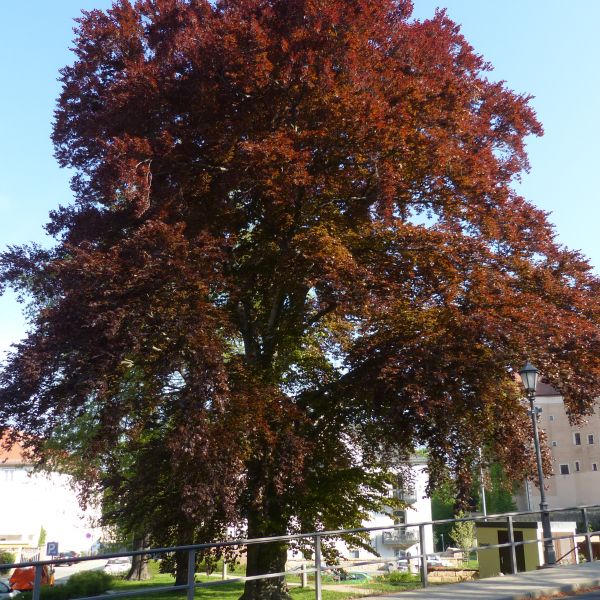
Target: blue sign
52, 549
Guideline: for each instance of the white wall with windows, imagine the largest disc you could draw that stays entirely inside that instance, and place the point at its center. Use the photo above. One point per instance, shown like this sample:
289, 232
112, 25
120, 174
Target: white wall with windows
393, 543
30, 501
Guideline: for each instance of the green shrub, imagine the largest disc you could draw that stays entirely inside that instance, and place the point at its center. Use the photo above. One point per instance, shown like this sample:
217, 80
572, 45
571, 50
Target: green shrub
6, 558
49, 592
398, 577
79, 585
88, 583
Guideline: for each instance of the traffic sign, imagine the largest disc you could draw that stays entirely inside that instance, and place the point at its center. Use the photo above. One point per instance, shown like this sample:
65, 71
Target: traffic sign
52, 549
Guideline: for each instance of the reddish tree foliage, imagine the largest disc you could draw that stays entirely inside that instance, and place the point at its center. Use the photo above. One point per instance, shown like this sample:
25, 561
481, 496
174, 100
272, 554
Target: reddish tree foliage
295, 252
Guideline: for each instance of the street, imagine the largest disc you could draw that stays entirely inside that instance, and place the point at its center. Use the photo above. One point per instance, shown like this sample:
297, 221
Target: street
62, 573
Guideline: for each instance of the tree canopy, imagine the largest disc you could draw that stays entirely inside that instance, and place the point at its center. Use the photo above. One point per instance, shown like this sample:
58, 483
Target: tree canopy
295, 254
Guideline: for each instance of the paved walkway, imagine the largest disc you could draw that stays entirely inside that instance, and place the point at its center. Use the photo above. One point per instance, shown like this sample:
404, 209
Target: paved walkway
533, 584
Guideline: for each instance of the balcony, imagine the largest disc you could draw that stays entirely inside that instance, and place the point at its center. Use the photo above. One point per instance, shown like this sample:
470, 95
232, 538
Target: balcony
399, 537
407, 496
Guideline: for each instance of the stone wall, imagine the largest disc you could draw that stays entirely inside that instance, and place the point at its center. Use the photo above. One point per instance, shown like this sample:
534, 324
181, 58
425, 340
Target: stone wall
445, 575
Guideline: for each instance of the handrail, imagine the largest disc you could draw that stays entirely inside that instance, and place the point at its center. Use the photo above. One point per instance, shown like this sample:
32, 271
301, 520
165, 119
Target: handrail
503, 519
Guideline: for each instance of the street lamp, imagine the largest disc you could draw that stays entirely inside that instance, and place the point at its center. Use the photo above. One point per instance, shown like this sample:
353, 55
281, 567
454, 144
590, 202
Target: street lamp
529, 375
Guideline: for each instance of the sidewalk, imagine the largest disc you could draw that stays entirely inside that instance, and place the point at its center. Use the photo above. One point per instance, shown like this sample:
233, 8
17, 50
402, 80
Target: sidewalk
532, 584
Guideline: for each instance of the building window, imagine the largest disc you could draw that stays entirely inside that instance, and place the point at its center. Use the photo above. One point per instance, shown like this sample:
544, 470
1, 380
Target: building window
577, 439
590, 439
594, 466
577, 465
552, 417
555, 444
354, 553
399, 516
564, 469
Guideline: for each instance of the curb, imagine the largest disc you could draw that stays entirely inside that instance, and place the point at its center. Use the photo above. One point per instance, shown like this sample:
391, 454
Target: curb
573, 587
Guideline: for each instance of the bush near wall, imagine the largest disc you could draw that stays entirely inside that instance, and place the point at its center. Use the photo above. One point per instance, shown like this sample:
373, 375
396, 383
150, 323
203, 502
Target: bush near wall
6, 558
401, 577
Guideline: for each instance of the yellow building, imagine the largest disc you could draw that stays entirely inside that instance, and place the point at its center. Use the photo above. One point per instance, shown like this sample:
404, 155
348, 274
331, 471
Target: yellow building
529, 557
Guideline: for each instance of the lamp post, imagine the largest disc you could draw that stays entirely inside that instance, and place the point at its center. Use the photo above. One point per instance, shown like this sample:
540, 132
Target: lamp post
529, 375
483, 503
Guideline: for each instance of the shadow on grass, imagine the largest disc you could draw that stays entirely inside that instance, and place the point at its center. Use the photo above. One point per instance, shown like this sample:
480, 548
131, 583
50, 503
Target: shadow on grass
218, 591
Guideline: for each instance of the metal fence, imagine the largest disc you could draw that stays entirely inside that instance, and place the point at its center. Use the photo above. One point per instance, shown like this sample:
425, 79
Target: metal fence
581, 514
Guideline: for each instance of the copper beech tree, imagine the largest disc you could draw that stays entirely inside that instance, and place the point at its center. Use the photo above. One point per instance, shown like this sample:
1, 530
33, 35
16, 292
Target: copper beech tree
295, 254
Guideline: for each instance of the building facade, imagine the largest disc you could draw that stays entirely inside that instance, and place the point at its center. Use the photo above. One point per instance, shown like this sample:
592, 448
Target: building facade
575, 457
30, 501
391, 544
397, 543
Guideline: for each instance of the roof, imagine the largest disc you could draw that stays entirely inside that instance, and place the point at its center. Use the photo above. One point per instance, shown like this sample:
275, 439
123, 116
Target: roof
545, 389
15, 456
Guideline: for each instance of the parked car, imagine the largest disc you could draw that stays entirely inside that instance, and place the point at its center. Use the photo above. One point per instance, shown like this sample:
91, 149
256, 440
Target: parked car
117, 566
6, 591
401, 565
69, 554
435, 560
357, 576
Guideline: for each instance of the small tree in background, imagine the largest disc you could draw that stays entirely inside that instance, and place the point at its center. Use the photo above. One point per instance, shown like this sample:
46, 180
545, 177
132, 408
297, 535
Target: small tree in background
463, 533
42, 537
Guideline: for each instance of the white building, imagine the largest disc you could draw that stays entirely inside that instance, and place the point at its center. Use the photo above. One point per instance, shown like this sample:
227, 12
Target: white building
30, 501
397, 543
393, 543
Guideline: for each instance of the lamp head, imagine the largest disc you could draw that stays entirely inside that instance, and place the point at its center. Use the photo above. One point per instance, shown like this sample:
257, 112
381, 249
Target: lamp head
529, 376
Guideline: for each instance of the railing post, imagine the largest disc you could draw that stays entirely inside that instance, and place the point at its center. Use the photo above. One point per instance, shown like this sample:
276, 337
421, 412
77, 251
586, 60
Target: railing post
588, 537
318, 589
303, 576
423, 555
37, 583
511, 539
191, 575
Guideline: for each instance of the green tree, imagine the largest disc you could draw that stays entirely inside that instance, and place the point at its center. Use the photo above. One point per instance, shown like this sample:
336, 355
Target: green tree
294, 235
6, 558
499, 491
42, 537
463, 534
443, 506
445, 502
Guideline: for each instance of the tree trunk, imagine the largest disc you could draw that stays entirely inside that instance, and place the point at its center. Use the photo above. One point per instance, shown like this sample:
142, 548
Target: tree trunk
181, 568
265, 558
185, 537
139, 563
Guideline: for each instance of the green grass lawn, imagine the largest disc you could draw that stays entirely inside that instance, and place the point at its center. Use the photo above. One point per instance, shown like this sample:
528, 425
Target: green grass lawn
233, 590
220, 591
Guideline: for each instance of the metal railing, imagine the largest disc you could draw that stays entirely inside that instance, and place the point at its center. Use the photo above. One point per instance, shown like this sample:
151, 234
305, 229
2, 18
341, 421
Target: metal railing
421, 559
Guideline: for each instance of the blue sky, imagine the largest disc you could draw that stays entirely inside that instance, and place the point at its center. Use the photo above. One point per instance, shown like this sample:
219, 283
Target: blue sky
547, 48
